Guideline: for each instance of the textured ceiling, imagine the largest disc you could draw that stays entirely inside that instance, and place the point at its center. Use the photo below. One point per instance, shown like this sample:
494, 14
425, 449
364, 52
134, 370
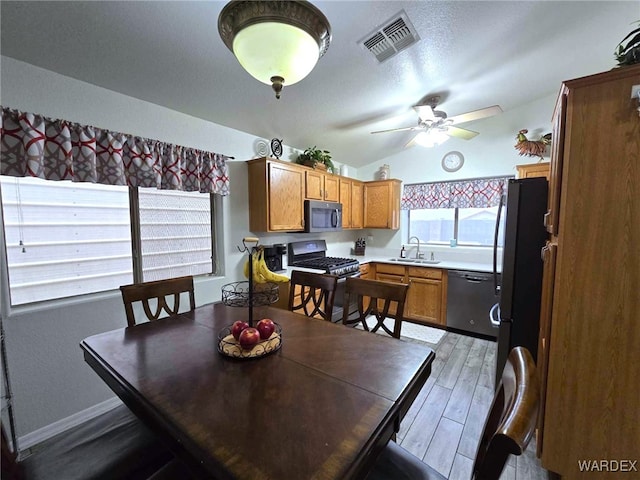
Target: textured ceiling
475, 54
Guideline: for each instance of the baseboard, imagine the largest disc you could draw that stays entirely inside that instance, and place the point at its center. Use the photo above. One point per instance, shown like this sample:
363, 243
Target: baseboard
51, 430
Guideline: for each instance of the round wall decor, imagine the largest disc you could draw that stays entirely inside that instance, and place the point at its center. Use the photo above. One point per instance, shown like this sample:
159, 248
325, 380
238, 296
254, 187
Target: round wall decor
452, 161
276, 148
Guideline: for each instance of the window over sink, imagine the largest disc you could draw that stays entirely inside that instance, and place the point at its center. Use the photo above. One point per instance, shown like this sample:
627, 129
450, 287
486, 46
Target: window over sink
465, 226
459, 212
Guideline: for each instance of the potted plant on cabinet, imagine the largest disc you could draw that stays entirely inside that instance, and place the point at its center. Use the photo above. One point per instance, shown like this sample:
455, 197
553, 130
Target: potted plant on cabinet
316, 158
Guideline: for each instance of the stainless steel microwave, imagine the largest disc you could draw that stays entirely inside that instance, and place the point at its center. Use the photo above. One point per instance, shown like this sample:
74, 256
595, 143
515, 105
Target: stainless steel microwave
322, 216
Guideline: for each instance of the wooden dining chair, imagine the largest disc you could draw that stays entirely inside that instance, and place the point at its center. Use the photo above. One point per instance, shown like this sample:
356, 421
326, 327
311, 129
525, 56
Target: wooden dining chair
376, 301
157, 292
508, 428
312, 294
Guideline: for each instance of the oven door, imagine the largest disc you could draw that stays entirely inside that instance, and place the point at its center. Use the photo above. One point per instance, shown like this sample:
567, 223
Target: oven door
322, 216
338, 301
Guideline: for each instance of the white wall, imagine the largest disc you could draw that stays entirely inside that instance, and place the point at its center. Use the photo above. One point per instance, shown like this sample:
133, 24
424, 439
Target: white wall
49, 377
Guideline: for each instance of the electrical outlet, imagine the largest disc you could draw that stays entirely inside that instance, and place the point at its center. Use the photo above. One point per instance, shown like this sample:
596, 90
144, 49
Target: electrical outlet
635, 91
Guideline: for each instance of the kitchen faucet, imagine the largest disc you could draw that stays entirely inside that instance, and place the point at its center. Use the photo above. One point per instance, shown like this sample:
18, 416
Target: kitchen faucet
418, 254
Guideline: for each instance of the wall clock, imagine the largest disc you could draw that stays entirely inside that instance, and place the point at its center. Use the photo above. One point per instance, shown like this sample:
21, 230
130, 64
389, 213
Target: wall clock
452, 161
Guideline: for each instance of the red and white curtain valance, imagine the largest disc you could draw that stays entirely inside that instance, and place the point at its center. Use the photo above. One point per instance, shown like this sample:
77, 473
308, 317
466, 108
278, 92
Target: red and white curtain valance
477, 192
52, 149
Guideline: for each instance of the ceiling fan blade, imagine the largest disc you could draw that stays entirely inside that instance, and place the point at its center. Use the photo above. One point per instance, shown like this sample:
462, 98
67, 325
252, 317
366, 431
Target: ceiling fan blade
476, 114
398, 129
425, 112
462, 133
412, 142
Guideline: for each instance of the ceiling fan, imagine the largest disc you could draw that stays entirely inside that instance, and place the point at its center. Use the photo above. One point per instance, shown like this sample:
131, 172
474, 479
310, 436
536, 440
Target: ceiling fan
435, 127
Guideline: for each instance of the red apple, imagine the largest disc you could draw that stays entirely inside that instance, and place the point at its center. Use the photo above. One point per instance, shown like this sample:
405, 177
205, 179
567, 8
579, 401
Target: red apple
249, 337
238, 327
266, 328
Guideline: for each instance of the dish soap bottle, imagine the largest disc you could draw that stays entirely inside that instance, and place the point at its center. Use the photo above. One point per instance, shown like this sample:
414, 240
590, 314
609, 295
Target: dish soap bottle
403, 253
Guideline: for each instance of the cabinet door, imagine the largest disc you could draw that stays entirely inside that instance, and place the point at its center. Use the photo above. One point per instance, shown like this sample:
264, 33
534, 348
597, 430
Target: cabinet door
364, 270
314, 185
388, 277
382, 204
424, 300
357, 204
331, 188
546, 306
532, 170
557, 157
345, 200
286, 187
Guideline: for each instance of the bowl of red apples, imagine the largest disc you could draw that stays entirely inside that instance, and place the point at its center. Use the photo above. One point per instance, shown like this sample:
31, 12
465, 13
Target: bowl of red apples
243, 341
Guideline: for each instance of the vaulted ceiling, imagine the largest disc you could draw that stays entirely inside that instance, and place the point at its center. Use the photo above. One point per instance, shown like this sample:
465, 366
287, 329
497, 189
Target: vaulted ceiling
472, 53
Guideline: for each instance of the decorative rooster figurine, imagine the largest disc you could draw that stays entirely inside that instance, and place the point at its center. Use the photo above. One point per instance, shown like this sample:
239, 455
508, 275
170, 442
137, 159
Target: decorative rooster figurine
532, 148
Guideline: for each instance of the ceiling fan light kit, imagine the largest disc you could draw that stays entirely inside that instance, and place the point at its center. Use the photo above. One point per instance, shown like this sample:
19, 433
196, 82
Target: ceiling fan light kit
431, 138
277, 42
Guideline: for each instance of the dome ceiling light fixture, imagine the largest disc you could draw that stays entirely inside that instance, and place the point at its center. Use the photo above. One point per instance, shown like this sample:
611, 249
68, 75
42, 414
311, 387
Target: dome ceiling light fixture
278, 42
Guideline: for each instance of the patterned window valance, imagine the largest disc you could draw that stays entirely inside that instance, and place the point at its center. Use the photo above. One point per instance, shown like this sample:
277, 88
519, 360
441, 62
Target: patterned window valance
52, 149
475, 192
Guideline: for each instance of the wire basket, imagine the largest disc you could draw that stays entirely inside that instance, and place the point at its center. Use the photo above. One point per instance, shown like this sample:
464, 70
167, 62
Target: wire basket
229, 346
236, 294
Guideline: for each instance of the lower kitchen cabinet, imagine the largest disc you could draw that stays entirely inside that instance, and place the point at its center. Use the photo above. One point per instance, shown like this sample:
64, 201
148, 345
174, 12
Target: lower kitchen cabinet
364, 270
427, 294
390, 273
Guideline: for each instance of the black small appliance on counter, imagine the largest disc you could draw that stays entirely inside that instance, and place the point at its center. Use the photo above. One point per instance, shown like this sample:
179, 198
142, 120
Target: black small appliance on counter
273, 256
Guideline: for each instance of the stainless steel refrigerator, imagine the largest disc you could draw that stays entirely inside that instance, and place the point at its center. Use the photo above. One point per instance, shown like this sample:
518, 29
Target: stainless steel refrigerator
519, 288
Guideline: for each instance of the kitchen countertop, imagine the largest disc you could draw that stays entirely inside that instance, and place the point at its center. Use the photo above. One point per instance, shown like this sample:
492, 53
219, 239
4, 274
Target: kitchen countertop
444, 264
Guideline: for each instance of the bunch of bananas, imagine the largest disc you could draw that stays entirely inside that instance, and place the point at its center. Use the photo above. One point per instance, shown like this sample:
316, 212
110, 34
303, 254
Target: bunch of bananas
261, 273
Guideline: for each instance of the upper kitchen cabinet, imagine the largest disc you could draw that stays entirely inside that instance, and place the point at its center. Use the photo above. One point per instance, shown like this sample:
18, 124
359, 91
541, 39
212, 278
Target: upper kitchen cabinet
534, 170
382, 204
591, 312
276, 196
351, 198
322, 186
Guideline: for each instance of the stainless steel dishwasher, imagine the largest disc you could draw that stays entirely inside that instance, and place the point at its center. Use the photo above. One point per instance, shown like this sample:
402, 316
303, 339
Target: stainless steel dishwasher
470, 296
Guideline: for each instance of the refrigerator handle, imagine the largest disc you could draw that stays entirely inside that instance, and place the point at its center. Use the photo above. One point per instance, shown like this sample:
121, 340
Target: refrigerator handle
495, 321
496, 287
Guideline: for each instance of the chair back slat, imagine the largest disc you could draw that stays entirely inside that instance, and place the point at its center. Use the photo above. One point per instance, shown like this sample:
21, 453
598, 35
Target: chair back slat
375, 299
157, 291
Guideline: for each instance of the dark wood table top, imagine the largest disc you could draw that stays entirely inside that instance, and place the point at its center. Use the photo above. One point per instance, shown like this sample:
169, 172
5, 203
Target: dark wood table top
321, 407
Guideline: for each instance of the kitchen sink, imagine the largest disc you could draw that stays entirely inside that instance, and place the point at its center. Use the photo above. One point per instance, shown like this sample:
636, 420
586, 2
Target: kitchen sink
415, 260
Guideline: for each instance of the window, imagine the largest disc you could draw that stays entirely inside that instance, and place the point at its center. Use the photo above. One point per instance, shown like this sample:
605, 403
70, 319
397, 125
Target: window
463, 226
65, 239
459, 212
175, 232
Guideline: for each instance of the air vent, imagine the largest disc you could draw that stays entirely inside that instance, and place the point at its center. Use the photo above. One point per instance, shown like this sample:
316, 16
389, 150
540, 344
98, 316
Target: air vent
393, 36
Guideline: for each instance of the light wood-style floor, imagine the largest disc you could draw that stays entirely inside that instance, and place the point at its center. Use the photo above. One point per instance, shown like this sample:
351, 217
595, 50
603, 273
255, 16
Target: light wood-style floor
445, 421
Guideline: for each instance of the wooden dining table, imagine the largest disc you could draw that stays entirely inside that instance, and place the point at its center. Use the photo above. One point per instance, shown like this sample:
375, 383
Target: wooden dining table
321, 407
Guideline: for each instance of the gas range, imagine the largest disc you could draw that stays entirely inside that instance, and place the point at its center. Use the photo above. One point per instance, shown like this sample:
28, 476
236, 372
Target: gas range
313, 254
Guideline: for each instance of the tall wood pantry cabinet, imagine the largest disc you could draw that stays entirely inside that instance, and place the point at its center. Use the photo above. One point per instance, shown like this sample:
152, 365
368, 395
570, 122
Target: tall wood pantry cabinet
589, 350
